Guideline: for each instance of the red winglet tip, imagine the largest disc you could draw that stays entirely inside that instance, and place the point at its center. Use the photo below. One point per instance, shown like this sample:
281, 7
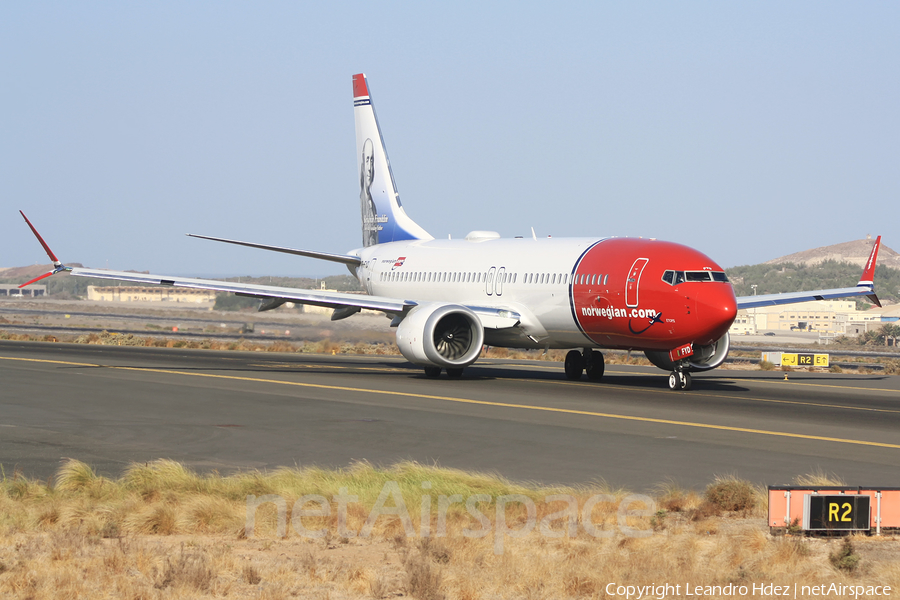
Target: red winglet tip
41, 240
868, 276
360, 87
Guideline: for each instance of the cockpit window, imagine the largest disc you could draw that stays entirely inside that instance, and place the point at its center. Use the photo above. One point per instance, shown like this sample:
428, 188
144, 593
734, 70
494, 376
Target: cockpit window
697, 276
677, 277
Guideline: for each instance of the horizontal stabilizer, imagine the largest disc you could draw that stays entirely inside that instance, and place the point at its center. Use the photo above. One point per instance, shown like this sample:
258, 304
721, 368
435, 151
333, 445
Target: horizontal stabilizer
353, 261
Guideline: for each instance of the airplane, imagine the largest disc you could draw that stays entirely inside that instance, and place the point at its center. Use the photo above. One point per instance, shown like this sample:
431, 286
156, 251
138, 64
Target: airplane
449, 298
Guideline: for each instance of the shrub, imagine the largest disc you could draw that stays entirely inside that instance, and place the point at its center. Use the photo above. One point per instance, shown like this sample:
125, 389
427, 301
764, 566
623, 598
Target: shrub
844, 558
731, 494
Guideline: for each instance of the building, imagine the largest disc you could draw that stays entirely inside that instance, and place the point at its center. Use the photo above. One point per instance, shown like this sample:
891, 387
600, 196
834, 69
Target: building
133, 293
11, 290
838, 317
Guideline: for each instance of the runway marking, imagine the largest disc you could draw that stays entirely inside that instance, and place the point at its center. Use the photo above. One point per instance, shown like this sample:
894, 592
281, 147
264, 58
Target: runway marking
318, 366
801, 403
478, 402
825, 385
712, 395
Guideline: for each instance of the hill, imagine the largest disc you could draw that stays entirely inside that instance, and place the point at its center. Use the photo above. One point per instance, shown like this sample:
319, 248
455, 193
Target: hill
792, 277
855, 252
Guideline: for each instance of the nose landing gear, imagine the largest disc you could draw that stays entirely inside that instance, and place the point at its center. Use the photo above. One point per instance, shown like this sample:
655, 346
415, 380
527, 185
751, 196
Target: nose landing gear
679, 379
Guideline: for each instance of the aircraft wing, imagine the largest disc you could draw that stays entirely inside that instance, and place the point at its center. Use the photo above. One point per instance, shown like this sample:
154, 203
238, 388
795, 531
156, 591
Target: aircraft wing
315, 297
865, 287
345, 304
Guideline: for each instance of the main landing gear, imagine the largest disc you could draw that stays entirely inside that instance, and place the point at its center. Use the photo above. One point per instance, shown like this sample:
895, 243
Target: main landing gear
434, 372
679, 379
589, 361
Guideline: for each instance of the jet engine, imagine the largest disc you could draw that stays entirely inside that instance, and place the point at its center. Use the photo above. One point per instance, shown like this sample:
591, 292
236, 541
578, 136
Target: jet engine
440, 335
704, 358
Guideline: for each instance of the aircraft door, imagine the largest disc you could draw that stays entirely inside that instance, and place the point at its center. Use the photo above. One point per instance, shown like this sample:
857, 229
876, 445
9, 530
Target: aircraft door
498, 286
489, 281
632, 283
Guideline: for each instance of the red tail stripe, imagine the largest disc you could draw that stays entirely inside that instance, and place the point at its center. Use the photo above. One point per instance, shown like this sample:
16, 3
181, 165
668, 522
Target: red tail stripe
360, 88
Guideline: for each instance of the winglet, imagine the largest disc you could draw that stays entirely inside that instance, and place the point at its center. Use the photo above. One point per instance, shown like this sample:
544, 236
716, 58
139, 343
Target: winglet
868, 276
47, 249
57, 265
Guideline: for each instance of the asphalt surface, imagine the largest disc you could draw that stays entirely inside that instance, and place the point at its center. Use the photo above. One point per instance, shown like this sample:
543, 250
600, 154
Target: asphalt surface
110, 406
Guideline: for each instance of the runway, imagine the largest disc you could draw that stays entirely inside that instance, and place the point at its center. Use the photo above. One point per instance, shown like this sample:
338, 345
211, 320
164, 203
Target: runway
110, 406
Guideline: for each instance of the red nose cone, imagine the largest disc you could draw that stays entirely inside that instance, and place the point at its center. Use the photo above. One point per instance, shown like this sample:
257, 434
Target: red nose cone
716, 310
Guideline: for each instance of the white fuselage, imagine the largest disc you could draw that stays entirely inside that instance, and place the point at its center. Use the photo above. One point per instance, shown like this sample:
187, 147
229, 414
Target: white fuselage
530, 276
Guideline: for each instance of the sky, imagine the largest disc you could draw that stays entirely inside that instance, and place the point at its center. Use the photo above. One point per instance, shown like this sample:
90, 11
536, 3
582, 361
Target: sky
748, 130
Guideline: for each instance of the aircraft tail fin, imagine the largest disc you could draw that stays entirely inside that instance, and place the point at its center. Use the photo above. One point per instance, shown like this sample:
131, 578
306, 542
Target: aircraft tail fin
383, 217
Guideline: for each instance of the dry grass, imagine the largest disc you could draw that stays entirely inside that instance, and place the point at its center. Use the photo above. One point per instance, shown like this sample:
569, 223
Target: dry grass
106, 338
819, 478
162, 531
743, 361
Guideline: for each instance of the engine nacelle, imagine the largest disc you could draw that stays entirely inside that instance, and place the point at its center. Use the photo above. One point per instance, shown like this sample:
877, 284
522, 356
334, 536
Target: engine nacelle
704, 358
440, 335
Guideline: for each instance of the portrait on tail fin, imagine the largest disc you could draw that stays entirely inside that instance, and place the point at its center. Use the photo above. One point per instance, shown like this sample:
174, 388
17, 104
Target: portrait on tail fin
366, 177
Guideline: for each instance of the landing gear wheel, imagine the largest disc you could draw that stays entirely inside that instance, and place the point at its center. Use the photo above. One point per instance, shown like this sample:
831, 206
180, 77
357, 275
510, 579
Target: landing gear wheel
432, 372
674, 381
679, 380
454, 373
595, 366
574, 365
